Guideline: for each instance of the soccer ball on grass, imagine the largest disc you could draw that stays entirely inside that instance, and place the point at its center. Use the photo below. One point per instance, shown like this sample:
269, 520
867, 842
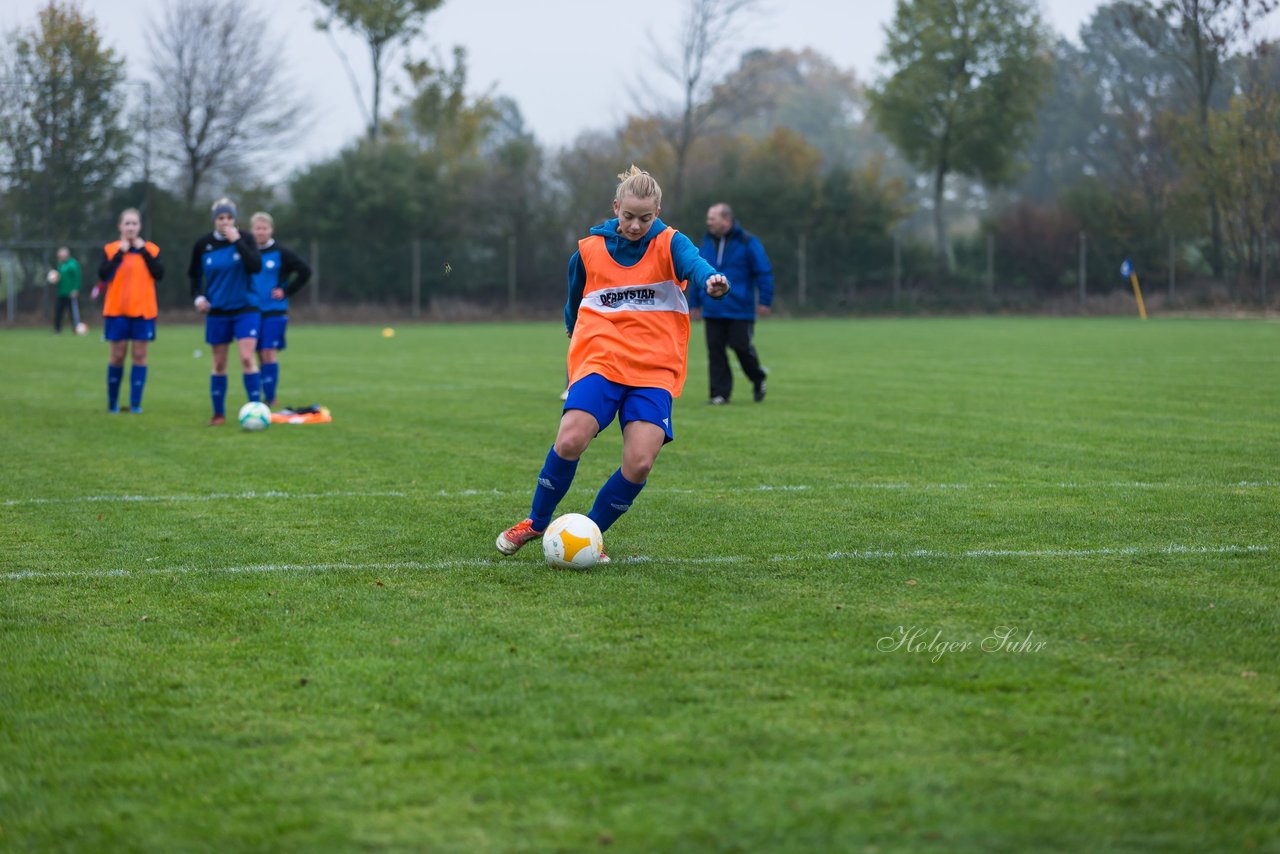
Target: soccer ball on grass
255, 416
572, 541
82, 329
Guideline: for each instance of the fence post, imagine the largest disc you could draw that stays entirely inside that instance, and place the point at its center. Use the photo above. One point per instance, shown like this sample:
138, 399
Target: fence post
1264, 273
991, 266
417, 277
1084, 293
803, 279
11, 294
897, 267
1173, 267
511, 274
315, 273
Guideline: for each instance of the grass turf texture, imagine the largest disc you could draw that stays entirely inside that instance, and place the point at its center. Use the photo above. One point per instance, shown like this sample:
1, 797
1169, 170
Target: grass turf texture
304, 638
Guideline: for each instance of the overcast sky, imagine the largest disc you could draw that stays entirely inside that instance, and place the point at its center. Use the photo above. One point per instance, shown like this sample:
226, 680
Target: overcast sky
567, 63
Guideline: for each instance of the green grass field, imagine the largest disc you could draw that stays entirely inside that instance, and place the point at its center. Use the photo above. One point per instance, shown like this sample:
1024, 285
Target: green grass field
304, 639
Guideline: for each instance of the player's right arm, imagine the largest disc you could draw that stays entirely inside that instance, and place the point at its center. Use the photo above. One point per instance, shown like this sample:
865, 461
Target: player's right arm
106, 269
108, 264
577, 285
195, 276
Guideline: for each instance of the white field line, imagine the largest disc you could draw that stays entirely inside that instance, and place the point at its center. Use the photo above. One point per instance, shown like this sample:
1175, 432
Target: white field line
864, 556
471, 493
216, 496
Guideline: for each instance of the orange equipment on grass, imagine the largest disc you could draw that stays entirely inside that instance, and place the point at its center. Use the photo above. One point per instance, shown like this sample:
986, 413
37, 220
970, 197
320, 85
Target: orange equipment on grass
302, 415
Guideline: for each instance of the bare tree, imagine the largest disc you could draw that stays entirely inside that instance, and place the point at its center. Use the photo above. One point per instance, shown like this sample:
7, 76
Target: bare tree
224, 106
700, 58
384, 25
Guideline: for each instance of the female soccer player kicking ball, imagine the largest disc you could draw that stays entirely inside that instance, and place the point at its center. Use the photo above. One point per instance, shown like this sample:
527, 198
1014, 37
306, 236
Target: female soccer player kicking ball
628, 323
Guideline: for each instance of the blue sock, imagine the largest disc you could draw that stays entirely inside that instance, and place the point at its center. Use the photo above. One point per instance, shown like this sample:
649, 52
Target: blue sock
137, 381
614, 499
218, 392
115, 374
553, 483
270, 376
253, 386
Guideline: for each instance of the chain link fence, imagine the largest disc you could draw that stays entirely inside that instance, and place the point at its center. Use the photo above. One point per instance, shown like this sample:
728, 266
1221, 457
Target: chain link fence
498, 277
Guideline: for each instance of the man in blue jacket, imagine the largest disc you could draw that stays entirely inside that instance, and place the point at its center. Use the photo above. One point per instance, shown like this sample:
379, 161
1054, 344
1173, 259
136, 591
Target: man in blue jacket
730, 322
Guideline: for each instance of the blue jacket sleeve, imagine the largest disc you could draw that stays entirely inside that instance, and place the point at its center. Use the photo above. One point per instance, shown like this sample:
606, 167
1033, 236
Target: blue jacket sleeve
694, 295
577, 284
762, 272
691, 267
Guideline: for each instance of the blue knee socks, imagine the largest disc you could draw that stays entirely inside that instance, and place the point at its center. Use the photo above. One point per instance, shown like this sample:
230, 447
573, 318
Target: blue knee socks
218, 393
115, 374
253, 386
614, 499
553, 483
137, 381
270, 376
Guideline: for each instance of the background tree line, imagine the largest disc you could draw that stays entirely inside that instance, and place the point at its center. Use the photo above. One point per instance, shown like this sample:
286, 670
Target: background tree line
1156, 135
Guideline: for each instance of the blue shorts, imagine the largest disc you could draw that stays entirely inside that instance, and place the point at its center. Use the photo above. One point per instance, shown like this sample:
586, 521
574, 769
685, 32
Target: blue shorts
605, 399
272, 332
221, 328
120, 328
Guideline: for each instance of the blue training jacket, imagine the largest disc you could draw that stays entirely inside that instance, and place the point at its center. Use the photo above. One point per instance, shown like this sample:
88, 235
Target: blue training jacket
222, 271
740, 257
690, 267
281, 268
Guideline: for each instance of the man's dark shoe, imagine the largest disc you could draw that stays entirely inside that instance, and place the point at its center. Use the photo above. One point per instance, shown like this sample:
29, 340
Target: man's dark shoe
718, 400
760, 388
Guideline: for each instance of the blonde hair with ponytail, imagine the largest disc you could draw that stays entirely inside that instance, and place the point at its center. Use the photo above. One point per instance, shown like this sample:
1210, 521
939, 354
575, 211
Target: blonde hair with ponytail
638, 184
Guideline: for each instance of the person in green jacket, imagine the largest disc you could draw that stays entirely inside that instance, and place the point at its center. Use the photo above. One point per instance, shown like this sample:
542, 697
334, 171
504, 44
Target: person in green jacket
67, 278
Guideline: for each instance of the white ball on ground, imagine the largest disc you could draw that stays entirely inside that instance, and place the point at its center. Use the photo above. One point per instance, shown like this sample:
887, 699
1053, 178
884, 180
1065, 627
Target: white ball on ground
572, 541
254, 416
82, 329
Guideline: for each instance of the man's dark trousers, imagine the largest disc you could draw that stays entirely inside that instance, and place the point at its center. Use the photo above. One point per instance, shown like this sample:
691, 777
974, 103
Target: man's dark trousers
736, 335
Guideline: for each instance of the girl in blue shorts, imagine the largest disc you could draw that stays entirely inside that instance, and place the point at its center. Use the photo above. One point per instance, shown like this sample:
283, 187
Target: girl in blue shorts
128, 271
628, 323
221, 274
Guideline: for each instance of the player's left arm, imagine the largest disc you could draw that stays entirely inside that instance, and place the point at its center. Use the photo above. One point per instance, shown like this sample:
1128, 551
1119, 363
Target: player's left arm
690, 266
293, 269
250, 257
154, 265
577, 275
761, 274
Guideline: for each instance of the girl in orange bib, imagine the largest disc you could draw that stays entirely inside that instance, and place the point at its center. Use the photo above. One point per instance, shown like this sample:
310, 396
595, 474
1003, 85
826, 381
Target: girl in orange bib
628, 324
129, 270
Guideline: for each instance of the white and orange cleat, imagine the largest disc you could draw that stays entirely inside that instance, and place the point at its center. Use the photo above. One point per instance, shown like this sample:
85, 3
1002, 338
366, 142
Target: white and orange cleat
516, 537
